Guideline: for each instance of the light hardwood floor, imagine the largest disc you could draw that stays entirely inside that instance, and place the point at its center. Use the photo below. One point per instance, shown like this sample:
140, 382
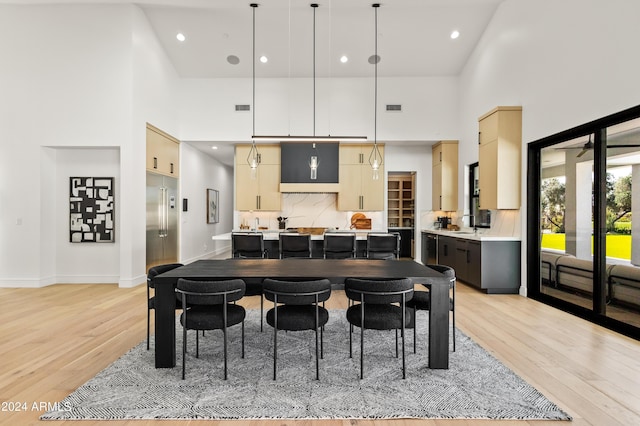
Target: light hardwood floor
55, 338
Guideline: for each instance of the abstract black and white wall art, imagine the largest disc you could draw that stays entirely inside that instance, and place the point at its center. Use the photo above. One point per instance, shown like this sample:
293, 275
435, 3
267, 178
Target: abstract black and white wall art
91, 210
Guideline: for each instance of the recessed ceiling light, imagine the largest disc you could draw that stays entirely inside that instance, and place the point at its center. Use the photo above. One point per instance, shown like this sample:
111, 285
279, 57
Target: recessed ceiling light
263, 59
344, 59
455, 34
180, 37
233, 59
214, 147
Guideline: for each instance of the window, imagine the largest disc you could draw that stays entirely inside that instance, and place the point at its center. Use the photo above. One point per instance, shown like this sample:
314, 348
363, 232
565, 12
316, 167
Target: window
580, 221
481, 218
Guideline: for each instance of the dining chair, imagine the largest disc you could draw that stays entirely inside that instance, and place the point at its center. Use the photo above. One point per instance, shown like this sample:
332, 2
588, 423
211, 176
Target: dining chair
294, 245
151, 300
379, 305
207, 305
296, 307
422, 300
383, 246
339, 245
250, 245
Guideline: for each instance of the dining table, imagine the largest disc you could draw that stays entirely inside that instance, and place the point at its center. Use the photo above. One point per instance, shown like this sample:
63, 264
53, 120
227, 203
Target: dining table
336, 270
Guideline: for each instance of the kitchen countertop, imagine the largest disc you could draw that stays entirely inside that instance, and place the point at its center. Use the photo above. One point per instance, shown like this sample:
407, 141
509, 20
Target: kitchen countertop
273, 234
468, 234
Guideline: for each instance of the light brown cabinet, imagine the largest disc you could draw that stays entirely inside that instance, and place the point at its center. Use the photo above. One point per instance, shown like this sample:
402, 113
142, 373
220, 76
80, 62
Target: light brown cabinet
400, 200
444, 184
358, 189
263, 192
499, 165
163, 152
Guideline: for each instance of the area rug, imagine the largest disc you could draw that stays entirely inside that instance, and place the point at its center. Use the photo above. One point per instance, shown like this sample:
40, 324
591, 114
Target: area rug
476, 386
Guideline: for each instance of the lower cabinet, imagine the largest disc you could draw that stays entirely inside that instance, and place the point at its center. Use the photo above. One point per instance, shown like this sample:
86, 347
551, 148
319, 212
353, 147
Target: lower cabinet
492, 266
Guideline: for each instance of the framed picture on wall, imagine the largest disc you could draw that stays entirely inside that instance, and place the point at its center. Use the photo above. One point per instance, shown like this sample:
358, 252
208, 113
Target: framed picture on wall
91, 210
212, 206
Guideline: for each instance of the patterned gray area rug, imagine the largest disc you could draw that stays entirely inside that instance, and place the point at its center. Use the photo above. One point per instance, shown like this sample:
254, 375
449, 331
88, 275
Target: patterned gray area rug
476, 386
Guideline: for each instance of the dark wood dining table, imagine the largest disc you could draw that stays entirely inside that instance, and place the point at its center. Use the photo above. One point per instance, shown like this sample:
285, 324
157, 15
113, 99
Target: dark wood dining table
336, 270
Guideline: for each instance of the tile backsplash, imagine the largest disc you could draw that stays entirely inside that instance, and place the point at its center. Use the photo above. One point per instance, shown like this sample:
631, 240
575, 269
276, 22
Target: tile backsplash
308, 210
504, 223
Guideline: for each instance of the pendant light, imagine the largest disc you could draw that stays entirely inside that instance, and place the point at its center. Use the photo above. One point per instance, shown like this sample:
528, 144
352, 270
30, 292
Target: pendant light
375, 158
314, 159
253, 159
313, 138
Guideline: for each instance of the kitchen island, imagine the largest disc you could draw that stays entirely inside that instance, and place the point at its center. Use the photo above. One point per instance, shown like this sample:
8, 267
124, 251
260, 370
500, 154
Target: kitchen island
271, 241
490, 263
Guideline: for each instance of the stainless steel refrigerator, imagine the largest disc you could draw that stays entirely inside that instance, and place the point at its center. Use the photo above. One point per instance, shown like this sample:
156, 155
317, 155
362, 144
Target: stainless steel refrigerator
162, 219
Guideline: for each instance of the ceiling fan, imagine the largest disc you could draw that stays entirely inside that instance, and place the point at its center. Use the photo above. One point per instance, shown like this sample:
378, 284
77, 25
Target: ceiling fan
589, 146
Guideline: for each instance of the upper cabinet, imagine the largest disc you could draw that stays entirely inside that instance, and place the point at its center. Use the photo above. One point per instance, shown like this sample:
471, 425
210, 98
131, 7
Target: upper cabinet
163, 152
358, 189
500, 145
263, 191
445, 176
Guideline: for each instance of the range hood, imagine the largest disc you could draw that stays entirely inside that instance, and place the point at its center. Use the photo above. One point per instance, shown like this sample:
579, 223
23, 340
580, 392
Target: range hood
295, 173
310, 187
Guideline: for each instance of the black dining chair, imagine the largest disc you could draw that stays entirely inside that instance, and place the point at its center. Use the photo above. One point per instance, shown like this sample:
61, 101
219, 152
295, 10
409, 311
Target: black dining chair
383, 246
296, 306
379, 305
422, 300
151, 300
250, 245
294, 245
208, 305
339, 245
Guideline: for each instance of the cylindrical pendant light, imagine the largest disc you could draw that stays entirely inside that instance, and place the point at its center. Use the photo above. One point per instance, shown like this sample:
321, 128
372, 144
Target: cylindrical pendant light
254, 157
375, 158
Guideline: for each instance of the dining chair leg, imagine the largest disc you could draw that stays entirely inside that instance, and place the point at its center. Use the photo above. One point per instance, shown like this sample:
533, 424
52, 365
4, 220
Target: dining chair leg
197, 345
317, 358
453, 313
362, 351
404, 365
224, 333
148, 324
415, 328
184, 346
261, 313
242, 339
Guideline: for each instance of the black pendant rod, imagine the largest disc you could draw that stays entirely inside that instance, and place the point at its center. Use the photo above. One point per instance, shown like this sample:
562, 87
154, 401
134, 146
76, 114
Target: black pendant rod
314, 6
375, 93
253, 106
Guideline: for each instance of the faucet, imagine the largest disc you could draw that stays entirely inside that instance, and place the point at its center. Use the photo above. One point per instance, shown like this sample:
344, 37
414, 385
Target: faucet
475, 228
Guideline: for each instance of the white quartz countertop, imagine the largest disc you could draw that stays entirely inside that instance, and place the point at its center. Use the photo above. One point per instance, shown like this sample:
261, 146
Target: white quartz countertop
274, 234
468, 234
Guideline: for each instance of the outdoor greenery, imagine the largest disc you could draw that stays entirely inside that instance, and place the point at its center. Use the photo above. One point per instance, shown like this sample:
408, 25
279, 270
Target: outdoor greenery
618, 219
618, 246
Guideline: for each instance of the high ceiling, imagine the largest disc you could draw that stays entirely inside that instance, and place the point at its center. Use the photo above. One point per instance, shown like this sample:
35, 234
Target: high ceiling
414, 36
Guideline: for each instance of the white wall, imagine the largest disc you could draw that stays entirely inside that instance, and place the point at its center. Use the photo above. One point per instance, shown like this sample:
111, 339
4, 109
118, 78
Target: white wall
343, 107
65, 82
76, 262
566, 62
198, 173
81, 76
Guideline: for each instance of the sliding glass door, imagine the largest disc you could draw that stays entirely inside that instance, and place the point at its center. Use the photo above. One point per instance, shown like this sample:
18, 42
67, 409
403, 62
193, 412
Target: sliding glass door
584, 188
